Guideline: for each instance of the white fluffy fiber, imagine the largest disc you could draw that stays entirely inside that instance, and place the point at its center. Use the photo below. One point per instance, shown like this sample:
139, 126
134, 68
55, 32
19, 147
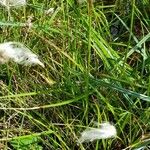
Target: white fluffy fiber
13, 3
106, 130
17, 52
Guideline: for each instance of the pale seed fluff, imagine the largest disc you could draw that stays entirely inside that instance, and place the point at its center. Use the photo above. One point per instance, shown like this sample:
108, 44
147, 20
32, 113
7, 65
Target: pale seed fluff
49, 11
17, 52
106, 130
13, 3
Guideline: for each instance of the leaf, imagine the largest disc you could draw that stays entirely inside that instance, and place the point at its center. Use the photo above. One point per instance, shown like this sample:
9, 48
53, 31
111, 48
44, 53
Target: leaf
26, 143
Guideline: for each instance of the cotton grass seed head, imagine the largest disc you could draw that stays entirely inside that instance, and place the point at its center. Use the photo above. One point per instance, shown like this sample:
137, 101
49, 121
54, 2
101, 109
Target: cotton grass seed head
49, 11
17, 52
13, 3
106, 130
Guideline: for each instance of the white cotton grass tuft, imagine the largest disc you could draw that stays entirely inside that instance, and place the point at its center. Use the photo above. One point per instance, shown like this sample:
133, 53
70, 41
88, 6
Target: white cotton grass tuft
106, 130
13, 3
17, 52
49, 11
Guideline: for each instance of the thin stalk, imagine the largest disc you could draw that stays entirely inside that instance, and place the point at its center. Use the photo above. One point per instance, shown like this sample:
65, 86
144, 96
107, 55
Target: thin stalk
90, 3
9, 14
130, 35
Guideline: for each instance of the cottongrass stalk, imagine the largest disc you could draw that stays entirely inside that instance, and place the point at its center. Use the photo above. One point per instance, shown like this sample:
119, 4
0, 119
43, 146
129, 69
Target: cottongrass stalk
106, 130
12, 3
17, 52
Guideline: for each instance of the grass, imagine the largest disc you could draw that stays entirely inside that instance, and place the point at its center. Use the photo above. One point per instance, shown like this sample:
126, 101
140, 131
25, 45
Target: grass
97, 68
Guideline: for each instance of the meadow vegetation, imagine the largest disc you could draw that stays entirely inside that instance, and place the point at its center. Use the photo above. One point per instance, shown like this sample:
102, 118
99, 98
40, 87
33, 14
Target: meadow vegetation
97, 69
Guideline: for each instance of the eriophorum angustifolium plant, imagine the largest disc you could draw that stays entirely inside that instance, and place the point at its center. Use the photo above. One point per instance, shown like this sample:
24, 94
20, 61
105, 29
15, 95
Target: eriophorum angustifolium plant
13, 3
86, 61
17, 52
105, 131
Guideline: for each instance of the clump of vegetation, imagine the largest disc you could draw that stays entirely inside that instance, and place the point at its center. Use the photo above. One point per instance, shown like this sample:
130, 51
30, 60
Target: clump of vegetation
97, 65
